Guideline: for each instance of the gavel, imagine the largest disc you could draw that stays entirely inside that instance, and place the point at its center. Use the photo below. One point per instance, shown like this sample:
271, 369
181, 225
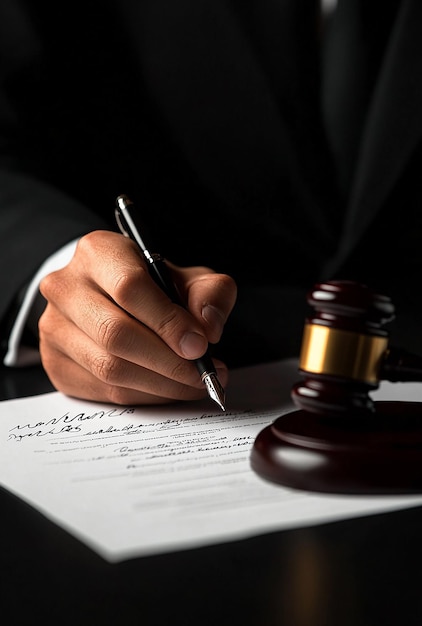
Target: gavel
345, 350
340, 440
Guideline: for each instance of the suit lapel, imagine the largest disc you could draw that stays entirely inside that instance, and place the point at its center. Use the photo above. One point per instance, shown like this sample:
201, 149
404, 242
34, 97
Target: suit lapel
394, 124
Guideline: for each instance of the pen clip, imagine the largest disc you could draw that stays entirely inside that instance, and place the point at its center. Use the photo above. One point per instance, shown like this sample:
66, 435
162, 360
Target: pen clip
128, 228
127, 225
117, 215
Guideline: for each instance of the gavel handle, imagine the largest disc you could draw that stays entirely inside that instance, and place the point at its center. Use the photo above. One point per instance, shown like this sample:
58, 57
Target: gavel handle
401, 366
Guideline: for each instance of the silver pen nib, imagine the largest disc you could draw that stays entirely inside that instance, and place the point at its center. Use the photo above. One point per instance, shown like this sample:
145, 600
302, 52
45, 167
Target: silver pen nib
215, 389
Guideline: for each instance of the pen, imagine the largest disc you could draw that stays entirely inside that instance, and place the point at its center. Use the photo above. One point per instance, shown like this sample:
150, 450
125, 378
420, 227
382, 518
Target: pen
161, 275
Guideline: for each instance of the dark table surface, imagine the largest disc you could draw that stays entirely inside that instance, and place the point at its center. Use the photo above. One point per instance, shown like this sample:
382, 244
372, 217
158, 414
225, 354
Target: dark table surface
359, 572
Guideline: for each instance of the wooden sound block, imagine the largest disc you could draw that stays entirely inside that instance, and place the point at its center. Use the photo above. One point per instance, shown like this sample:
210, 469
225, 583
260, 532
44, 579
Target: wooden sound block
380, 454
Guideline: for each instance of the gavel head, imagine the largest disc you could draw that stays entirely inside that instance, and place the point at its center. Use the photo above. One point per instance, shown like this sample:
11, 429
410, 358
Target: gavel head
343, 347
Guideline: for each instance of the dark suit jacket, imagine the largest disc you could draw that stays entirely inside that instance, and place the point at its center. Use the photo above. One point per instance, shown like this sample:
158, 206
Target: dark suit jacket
208, 113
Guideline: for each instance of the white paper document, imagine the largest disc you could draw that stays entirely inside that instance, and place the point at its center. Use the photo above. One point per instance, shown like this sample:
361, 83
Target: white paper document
138, 481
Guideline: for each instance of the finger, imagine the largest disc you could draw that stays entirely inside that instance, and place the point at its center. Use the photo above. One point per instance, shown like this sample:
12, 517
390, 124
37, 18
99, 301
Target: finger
210, 298
114, 333
126, 280
79, 366
80, 383
127, 358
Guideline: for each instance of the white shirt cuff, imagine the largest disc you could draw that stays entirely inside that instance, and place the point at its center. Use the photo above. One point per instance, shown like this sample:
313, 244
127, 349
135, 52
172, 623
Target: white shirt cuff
18, 354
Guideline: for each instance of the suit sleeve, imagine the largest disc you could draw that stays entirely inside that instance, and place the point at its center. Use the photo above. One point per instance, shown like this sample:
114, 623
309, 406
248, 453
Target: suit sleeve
36, 220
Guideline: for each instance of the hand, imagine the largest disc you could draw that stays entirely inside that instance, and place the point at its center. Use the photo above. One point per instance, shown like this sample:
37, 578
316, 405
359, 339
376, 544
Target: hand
109, 333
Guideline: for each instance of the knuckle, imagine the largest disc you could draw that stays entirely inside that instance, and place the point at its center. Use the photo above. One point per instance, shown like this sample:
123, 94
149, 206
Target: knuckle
172, 325
226, 283
50, 285
105, 367
87, 243
48, 326
46, 358
128, 282
167, 325
42, 324
110, 333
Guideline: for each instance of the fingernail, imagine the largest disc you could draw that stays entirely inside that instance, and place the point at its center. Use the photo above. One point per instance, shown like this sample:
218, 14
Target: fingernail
213, 317
193, 345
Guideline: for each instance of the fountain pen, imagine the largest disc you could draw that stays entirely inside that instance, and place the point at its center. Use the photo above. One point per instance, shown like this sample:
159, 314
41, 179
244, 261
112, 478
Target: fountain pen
161, 275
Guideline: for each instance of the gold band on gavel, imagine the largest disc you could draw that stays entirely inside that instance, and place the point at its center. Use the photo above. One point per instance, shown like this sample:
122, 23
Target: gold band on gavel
342, 353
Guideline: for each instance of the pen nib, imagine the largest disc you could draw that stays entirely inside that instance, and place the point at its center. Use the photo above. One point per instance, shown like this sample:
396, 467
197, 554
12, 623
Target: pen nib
215, 389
